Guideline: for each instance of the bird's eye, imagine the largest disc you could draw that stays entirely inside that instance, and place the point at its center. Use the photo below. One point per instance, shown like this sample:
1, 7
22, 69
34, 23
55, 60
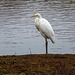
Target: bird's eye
36, 15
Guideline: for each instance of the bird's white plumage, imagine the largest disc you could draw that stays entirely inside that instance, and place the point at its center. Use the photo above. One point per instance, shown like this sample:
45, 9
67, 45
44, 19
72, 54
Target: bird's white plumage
45, 28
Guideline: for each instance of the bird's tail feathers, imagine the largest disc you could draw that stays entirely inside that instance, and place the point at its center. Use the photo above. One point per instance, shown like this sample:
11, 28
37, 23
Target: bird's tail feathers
53, 40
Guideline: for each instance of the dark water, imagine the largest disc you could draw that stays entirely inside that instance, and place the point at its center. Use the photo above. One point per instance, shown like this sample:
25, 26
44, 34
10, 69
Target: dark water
18, 34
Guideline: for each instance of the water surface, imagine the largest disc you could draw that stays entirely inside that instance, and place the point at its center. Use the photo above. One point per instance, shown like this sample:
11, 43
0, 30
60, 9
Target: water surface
18, 34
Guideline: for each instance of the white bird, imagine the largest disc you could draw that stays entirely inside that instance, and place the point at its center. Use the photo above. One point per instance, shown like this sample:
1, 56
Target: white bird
45, 28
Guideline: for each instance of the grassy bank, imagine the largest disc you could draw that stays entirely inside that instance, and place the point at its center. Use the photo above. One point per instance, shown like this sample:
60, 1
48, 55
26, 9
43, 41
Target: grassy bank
41, 64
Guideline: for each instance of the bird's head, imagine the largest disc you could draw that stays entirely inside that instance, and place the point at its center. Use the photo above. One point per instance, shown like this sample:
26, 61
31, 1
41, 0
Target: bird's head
36, 15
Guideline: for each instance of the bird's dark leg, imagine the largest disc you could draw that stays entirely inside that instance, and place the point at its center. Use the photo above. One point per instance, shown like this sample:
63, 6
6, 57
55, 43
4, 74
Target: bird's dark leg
46, 46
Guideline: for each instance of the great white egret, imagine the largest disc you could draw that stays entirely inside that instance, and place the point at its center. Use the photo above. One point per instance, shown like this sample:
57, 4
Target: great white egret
45, 28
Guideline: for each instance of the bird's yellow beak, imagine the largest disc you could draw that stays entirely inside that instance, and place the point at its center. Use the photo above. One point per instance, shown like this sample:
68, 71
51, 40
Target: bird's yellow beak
33, 16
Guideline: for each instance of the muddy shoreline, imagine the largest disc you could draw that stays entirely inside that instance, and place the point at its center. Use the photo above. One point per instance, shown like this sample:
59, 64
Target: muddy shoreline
38, 64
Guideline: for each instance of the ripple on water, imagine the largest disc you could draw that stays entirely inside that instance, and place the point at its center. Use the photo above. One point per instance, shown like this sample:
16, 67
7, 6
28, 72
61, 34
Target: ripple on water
18, 33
